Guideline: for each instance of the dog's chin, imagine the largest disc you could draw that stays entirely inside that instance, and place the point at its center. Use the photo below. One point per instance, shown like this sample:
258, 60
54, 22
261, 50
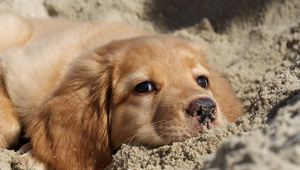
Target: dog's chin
174, 130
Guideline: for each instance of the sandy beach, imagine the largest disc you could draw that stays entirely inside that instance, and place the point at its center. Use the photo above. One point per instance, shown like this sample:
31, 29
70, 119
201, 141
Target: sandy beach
254, 43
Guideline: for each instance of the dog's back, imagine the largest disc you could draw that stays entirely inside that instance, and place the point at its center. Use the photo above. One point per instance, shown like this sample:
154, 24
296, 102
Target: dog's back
36, 53
34, 57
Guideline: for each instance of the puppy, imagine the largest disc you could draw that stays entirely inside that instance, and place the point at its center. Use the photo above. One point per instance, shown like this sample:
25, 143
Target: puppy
81, 89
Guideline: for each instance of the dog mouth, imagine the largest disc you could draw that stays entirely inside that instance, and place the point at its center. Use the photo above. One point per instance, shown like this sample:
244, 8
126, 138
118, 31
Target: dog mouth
193, 127
195, 121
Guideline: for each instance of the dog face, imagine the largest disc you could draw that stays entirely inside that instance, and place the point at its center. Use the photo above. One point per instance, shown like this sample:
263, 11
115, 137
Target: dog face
162, 91
147, 90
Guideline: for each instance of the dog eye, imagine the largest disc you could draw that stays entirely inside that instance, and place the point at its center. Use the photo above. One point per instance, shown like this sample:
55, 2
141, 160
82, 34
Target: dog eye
145, 87
202, 81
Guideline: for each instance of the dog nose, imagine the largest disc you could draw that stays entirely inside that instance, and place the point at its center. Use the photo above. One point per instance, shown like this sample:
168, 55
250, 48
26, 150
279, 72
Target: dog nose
204, 108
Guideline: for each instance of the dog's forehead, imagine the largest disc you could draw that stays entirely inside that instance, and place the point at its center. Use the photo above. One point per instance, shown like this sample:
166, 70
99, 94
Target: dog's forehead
174, 61
161, 52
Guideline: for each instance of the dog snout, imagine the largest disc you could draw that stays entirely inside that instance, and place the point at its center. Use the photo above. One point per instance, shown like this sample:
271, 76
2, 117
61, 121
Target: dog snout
203, 108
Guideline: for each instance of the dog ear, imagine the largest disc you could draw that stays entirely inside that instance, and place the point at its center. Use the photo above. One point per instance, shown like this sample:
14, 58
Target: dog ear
70, 131
225, 96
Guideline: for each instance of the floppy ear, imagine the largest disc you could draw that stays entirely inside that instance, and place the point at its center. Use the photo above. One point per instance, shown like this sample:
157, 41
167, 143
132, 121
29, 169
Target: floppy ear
225, 96
70, 131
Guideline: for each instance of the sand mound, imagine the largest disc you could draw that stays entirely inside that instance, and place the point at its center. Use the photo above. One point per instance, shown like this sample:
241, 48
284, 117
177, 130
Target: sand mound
277, 146
256, 45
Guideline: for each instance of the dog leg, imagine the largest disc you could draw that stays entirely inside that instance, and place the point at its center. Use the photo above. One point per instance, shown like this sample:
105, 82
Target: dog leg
9, 122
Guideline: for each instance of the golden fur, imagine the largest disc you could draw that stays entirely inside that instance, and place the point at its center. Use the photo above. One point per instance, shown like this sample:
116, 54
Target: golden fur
71, 86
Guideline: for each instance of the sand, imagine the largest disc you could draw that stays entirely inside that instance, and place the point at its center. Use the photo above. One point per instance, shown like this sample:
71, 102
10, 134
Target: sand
255, 43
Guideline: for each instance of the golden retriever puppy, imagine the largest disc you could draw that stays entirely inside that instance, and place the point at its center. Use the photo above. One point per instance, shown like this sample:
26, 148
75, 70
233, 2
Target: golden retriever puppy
81, 89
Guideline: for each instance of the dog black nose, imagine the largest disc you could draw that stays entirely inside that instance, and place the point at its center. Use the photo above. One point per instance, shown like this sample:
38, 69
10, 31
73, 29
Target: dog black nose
204, 108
